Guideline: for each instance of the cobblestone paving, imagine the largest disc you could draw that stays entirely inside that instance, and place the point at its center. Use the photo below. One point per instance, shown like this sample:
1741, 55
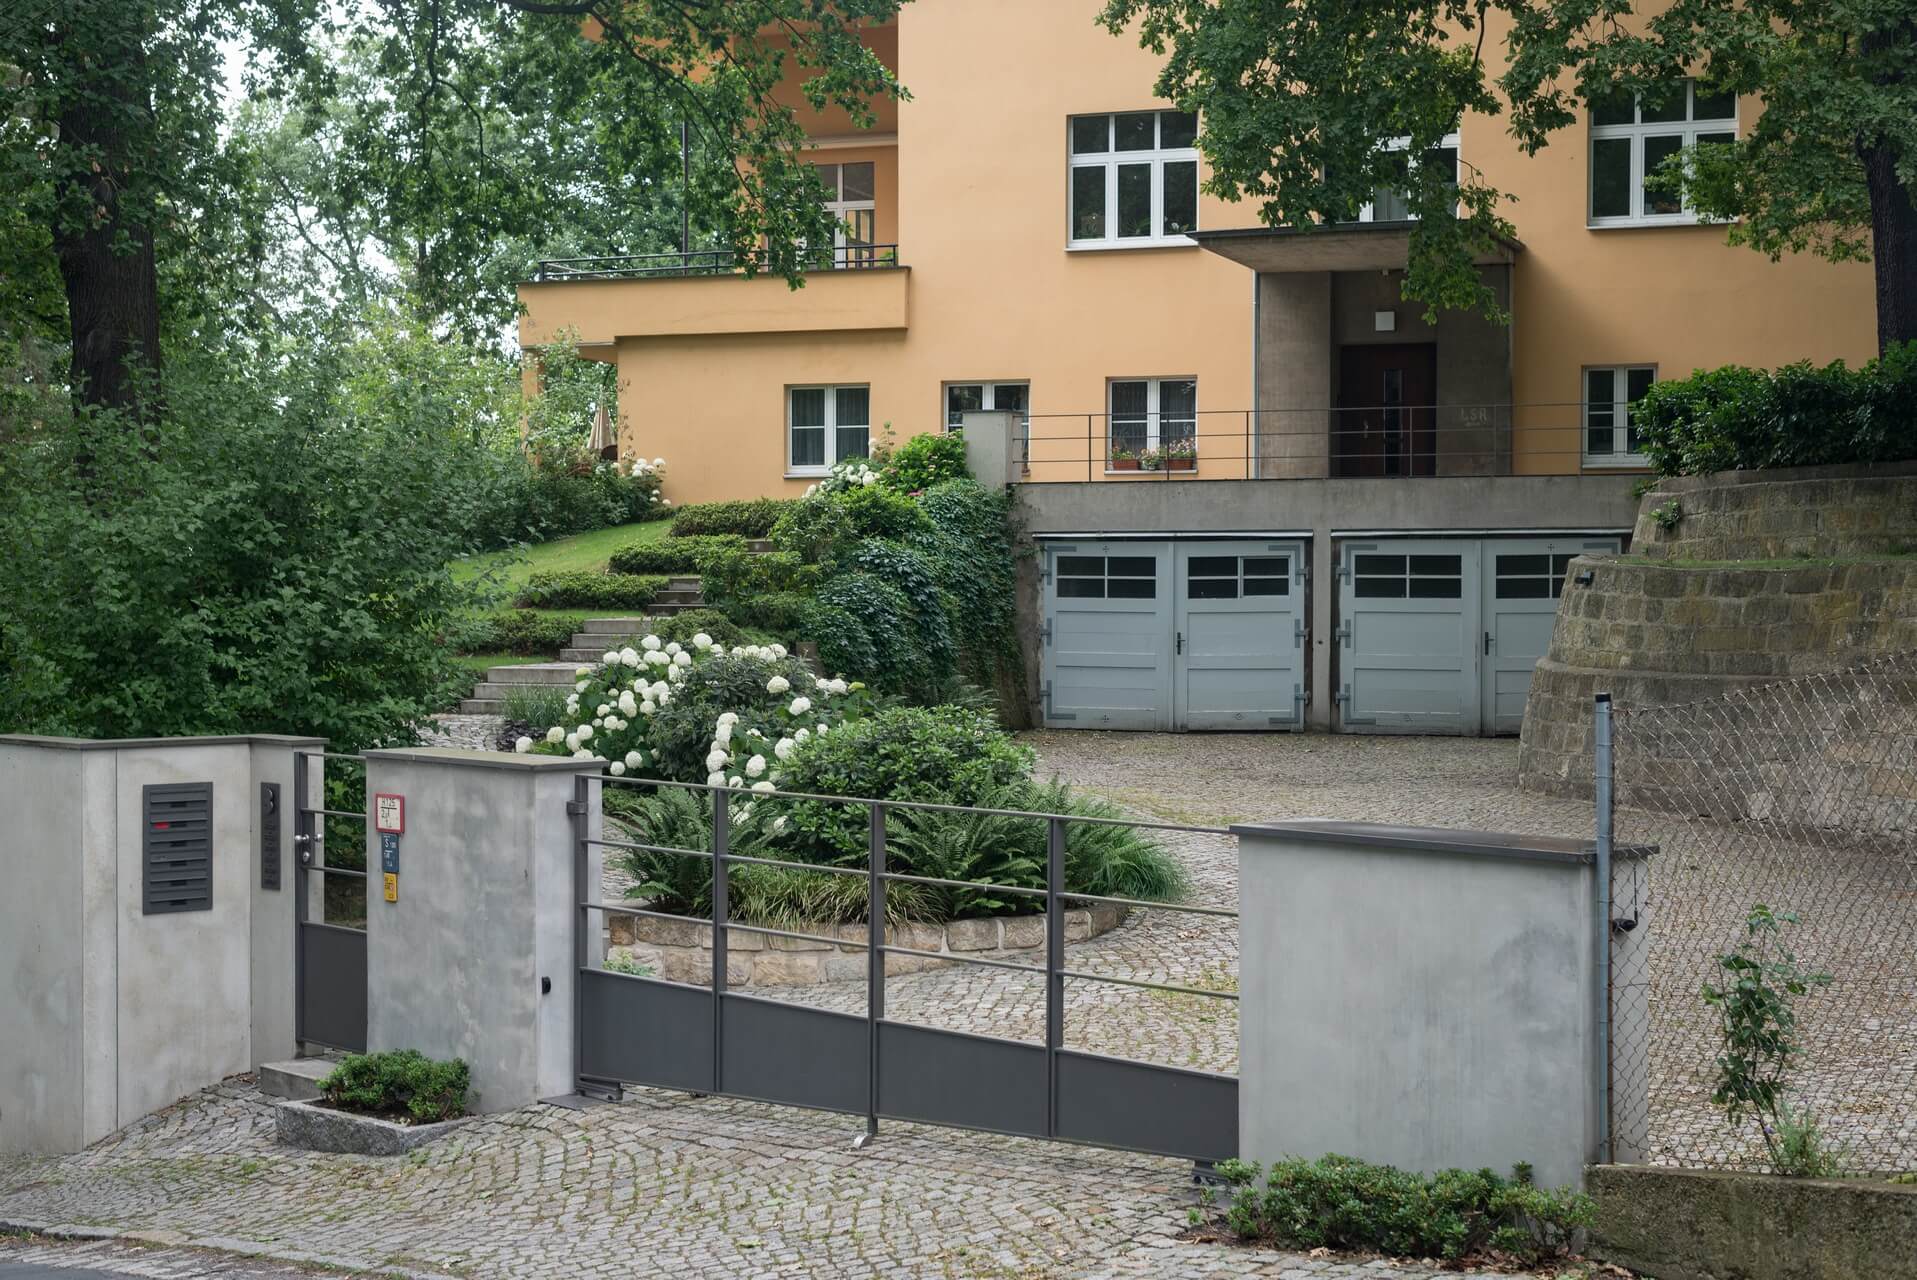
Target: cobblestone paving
662, 1185
120, 1257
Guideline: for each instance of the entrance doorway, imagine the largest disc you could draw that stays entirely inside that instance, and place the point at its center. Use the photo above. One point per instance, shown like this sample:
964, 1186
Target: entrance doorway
1385, 421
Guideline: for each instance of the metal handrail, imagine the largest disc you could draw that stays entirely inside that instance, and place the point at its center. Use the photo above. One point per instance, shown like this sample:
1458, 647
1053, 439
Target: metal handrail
715, 262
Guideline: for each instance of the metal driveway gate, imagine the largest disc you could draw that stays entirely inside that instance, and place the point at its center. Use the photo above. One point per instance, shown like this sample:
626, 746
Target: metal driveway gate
1440, 635
329, 960
1174, 634
706, 1039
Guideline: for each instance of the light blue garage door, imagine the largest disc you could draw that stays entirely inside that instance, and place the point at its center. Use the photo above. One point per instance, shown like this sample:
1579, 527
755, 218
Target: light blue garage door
1173, 634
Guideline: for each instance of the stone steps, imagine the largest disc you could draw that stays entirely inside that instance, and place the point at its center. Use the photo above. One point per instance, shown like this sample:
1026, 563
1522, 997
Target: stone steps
297, 1080
482, 706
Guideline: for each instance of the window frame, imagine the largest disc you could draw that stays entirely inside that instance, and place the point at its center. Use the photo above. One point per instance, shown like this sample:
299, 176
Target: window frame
1154, 413
1110, 160
1621, 402
1688, 130
830, 426
847, 249
1367, 212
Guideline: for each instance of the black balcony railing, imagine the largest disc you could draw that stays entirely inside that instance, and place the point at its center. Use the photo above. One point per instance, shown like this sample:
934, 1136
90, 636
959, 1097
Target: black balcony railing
718, 262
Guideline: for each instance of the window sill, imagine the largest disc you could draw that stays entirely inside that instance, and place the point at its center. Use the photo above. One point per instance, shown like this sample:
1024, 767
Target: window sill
1139, 242
1617, 464
820, 474
1155, 471
1633, 224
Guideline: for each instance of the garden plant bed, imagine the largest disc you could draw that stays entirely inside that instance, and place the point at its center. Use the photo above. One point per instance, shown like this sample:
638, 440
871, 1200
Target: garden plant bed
315, 1126
681, 950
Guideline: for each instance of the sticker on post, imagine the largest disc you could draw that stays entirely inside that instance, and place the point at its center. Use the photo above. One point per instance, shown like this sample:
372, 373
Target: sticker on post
389, 812
392, 887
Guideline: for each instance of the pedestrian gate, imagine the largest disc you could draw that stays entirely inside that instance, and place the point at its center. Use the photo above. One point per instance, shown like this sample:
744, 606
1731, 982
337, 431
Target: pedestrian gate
706, 1039
329, 958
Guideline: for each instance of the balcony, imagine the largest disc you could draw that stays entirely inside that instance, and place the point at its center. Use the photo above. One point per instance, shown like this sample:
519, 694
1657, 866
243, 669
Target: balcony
600, 300
1355, 442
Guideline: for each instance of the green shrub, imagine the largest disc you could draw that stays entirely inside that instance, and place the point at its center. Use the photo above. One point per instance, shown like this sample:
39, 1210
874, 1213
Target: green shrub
1798, 416
729, 578
901, 567
579, 589
539, 705
680, 733
844, 643
1340, 1203
814, 528
874, 511
885, 615
526, 631
398, 1082
783, 613
926, 460
673, 555
749, 518
969, 549
683, 626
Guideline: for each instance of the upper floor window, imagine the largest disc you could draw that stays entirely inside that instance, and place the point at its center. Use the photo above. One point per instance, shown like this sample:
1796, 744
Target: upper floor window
827, 425
1389, 203
1134, 178
1610, 397
1631, 137
851, 194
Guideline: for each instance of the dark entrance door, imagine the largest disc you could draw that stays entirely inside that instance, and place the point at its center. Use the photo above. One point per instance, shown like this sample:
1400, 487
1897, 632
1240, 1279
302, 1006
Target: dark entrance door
1385, 422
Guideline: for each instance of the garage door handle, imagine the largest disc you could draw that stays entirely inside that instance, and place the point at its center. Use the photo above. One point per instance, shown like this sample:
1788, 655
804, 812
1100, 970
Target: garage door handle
1487, 643
1178, 645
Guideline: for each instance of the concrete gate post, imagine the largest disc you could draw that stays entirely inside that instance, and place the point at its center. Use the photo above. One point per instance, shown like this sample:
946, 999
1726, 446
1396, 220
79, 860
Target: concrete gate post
474, 958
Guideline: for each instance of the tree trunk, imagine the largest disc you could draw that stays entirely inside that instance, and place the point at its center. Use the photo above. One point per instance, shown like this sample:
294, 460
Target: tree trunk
107, 259
1893, 228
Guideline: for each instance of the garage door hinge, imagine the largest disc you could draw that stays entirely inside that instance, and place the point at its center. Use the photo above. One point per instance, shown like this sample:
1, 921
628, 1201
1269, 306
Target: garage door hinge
1342, 633
1298, 633
1342, 696
1046, 693
1045, 632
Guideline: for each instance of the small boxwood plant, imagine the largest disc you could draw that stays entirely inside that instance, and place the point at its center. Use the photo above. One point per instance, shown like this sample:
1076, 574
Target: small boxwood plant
399, 1084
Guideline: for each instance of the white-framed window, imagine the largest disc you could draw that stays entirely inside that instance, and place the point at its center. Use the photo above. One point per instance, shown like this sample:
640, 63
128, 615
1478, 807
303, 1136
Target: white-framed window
1388, 203
1630, 138
1134, 179
826, 425
852, 196
1151, 414
1610, 393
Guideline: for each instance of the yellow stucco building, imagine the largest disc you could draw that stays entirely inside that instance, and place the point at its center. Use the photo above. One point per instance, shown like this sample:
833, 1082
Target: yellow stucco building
1026, 233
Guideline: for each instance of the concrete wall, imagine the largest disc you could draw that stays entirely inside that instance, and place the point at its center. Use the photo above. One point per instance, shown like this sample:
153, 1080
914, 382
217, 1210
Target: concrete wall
110, 1013
1417, 997
1322, 510
475, 960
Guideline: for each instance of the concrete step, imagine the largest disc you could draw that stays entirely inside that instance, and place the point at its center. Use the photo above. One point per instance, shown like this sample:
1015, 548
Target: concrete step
600, 641
534, 673
689, 582
298, 1079
759, 546
627, 626
482, 706
690, 599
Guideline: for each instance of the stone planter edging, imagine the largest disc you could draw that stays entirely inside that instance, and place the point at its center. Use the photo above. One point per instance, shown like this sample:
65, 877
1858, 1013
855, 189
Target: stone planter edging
681, 950
315, 1128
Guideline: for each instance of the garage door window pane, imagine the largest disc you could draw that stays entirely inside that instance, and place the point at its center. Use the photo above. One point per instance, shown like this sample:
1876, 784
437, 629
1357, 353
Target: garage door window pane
1132, 567
1436, 588
1268, 566
1131, 588
1081, 588
1516, 565
1374, 565
1524, 588
1083, 566
1214, 566
1379, 589
1212, 589
1267, 586
1444, 566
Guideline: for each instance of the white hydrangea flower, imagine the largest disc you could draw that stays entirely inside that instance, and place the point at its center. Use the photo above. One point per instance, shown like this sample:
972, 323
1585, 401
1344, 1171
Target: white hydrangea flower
585, 733
609, 659
572, 742
604, 708
778, 651
582, 671
801, 735
555, 734
664, 696
763, 787
674, 647
634, 759
716, 759
648, 707
728, 717
755, 766
784, 748
580, 687
715, 779
522, 745
822, 728
718, 650
617, 769
650, 642
628, 657
839, 686
658, 462
777, 684
723, 733
582, 754
822, 684
702, 641
734, 780
800, 706
681, 659
811, 489
598, 722
628, 705
778, 824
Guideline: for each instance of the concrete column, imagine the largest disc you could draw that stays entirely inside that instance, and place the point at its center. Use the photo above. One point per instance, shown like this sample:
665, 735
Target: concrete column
992, 447
121, 1012
476, 958
1418, 997
1294, 374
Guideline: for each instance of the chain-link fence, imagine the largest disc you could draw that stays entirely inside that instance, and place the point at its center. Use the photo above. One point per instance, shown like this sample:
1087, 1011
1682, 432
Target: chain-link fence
1800, 795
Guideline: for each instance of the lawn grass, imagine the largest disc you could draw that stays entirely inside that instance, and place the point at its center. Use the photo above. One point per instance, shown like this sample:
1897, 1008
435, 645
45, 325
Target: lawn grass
583, 552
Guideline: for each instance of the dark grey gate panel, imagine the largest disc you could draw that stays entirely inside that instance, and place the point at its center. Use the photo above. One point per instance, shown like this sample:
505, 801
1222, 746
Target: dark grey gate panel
948, 1077
1114, 1103
779, 1052
333, 993
645, 1029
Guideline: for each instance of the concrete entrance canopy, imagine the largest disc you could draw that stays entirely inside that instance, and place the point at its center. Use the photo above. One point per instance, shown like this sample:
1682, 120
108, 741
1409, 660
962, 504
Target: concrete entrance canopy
1345, 246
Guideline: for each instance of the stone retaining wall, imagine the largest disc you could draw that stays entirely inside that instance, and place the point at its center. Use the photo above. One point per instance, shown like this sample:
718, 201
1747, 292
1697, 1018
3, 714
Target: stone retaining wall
1843, 511
681, 950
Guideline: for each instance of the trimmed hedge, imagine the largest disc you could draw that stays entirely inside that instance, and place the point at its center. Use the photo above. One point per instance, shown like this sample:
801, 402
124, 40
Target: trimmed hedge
516, 631
673, 555
683, 626
403, 1082
591, 590
1737, 418
749, 518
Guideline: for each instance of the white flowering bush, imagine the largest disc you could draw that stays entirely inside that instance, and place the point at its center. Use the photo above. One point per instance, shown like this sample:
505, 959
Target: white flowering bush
853, 473
698, 712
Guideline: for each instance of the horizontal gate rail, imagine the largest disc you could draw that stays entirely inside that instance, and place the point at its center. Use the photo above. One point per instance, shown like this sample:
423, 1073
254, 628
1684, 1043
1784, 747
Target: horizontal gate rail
704, 1038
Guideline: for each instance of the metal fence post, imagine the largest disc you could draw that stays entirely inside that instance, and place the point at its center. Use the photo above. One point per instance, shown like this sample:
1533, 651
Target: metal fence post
1602, 778
721, 840
302, 856
874, 964
1054, 964
581, 797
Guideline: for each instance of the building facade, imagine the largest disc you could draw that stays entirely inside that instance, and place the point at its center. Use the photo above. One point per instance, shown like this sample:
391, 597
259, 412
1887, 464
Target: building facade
1026, 234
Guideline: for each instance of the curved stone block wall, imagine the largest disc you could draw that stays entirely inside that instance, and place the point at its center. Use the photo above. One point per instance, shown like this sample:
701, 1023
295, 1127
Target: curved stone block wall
1718, 602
